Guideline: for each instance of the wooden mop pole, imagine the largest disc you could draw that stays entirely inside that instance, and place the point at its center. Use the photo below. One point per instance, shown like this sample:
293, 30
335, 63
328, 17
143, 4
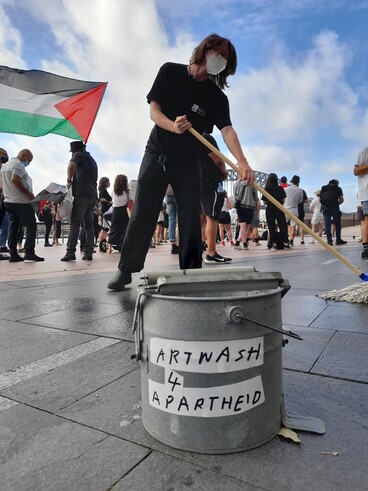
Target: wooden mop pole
288, 213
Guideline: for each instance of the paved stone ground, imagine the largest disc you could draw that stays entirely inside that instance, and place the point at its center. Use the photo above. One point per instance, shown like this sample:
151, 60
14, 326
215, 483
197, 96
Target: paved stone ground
70, 396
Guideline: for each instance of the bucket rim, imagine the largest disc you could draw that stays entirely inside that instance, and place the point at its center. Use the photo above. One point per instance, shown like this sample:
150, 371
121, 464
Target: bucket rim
188, 298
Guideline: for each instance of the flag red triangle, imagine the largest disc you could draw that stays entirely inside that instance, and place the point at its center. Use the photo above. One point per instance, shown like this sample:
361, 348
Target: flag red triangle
81, 109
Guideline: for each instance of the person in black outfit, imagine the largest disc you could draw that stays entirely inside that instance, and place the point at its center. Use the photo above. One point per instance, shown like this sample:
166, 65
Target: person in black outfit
120, 216
301, 215
82, 176
273, 214
182, 96
331, 209
105, 203
46, 217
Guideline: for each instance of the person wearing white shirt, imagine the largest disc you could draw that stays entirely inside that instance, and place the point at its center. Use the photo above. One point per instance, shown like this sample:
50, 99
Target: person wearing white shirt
294, 196
361, 171
18, 194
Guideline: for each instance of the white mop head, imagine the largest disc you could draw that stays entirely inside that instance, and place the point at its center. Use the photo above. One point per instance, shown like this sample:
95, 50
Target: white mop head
354, 294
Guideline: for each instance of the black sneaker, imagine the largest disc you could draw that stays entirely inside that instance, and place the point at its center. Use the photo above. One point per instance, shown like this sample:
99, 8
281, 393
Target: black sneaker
216, 259
15, 258
47, 244
4, 258
365, 254
329, 242
33, 257
341, 242
4, 249
291, 243
87, 257
68, 257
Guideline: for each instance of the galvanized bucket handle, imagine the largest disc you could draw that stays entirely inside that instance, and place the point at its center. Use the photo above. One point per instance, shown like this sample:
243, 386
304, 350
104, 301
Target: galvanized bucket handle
236, 314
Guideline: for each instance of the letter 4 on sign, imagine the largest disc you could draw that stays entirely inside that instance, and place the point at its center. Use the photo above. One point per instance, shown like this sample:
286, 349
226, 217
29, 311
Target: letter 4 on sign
207, 402
207, 356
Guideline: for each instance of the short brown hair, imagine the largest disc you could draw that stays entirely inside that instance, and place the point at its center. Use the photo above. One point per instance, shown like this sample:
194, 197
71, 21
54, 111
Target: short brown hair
213, 42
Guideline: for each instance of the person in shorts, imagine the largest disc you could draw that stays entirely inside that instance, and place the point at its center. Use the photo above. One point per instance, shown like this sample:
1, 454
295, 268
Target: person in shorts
361, 171
213, 171
224, 221
245, 204
294, 196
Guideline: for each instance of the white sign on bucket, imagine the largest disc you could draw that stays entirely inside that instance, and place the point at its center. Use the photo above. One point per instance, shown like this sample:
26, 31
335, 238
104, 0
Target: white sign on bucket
207, 356
205, 402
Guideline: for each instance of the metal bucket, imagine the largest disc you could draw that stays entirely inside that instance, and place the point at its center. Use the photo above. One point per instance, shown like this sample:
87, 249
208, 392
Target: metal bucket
211, 375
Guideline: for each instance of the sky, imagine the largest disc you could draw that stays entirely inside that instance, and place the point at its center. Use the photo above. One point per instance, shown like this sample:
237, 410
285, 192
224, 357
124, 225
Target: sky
298, 101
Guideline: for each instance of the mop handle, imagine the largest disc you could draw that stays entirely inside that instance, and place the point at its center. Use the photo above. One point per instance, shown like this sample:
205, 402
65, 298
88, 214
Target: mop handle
278, 205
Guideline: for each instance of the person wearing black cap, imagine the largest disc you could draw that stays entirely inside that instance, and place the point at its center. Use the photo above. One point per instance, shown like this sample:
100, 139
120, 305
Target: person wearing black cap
82, 177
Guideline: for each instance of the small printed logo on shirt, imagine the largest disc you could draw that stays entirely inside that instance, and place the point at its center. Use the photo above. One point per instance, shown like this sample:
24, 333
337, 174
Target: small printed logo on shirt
196, 109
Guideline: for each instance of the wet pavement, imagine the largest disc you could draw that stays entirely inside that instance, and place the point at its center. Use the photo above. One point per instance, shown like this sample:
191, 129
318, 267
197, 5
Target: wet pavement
70, 392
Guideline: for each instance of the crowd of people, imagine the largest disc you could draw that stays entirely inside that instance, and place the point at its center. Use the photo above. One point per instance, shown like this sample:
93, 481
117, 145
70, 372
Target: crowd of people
180, 192
88, 220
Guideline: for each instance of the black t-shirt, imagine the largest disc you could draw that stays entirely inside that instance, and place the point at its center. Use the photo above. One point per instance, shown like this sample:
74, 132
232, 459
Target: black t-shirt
211, 176
301, 212
276, 192
85, 175
203, 103
333, 194
104, 194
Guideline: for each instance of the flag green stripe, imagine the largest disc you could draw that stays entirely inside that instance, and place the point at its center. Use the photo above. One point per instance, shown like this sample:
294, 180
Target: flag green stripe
35, 125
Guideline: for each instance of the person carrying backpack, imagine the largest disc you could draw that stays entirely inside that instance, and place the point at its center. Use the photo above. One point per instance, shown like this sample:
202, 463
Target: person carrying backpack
331, 197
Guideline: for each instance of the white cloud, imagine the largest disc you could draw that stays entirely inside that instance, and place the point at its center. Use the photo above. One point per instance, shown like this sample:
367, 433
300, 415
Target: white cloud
123, 44
289, 101
10, 43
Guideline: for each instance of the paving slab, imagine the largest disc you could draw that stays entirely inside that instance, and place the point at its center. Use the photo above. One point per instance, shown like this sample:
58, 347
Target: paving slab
36, 301
78, 315
68, 383
116, 325
43, 452
302, 355
345, 357
296, 312
342, 316
23, 343
168, 473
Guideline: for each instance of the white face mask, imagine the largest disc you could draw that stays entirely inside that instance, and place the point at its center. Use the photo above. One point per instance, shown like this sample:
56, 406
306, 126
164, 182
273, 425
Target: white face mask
215, 64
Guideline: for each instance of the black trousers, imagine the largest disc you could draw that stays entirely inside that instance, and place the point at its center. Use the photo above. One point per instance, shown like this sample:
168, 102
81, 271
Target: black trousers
48, 225
334, 213
273, 216
25, 214
152, 183
119, 223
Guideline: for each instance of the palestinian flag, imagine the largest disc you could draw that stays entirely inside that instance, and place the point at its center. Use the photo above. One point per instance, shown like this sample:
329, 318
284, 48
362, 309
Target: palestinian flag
35, 103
